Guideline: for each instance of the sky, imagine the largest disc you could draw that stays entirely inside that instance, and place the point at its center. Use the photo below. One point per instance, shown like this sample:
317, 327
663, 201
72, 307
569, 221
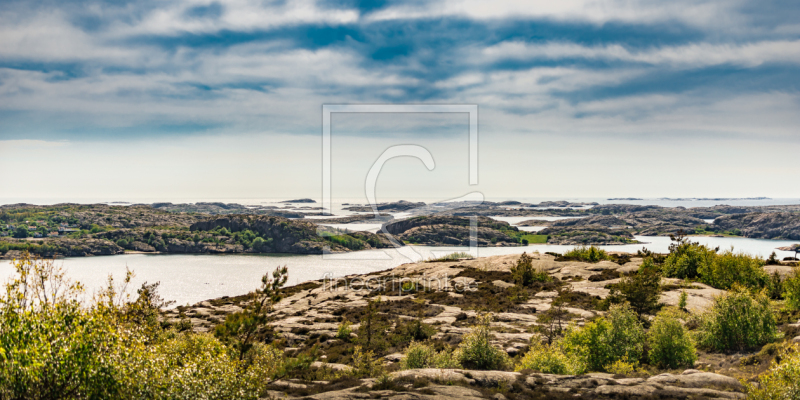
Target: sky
192, 99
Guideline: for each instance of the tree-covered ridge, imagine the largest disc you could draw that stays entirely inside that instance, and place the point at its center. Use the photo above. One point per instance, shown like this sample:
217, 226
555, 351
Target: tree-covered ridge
79, 230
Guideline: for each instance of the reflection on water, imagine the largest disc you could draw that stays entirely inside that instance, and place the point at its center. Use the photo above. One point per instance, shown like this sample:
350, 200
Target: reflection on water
192, 278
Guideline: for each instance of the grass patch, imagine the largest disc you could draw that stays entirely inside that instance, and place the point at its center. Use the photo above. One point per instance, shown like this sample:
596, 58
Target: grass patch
535, 239
452, 257
590, 254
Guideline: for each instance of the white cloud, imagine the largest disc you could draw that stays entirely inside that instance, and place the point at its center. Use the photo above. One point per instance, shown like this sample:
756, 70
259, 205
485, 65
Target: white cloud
692, 55
698, 13
237, 15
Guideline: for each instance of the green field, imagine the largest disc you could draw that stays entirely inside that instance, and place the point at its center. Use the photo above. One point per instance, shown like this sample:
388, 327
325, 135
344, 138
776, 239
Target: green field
535, 239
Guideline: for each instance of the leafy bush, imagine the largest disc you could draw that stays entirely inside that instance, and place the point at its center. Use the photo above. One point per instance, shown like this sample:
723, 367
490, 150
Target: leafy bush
413, 330
791, 290
603, 341
476, 351
421, 355
343, 331
641, 290
669, 342
365, 365
622, 367
727, 269
550, 359
686, 259
55, 347
524, 274
738, 320
590, 254
775, 286
782, 380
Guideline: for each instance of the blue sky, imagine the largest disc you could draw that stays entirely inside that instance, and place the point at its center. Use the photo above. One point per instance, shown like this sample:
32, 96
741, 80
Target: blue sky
93, 78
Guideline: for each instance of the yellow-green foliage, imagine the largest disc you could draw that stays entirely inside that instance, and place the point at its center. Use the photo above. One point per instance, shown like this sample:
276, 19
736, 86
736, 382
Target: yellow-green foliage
550, 359
421, 355
738, 320
343, 331
682, 300
365, 364
670, 344
198, 364
791, 290
602, 342
622, 367
686, 259
54, 347
587, 253
728, 268
782, 380
476, 352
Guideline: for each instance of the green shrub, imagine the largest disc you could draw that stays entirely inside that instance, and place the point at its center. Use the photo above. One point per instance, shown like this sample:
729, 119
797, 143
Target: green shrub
588, 254
603, 341
682, 300
791, 290
622, 367
641, 290
55, 347
669, 342
122, 243
727, 269
365, 364
413, 330
524, 274
738, 320
421, 355
782, 380
550, 359
343, 331
686, 259
476, 351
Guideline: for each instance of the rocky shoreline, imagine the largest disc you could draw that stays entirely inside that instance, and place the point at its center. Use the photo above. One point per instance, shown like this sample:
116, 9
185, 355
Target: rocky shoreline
198, 228
310, 314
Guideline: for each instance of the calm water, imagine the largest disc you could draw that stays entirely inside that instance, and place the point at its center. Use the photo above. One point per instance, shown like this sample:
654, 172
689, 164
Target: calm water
193, 278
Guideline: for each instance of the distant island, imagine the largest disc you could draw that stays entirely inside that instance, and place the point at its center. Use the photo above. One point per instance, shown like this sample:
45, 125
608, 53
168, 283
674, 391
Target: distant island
300, 201
714, 198
100, 229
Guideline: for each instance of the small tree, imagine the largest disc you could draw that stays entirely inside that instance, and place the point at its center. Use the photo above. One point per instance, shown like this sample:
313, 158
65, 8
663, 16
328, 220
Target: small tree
686, 258
738, 320
373, 326
476, 350
670, 343
524, 274
791, 290
241, 328
552, 321
600, 343
21, 232
641, 290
